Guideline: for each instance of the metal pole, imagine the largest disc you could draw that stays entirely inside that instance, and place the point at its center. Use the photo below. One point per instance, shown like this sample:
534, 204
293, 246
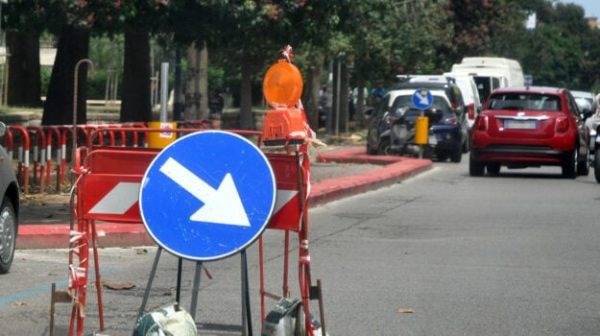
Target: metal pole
149, 283
195, 289
246, 317
85, 60
164, 91
177, 103
178, 290
337, 99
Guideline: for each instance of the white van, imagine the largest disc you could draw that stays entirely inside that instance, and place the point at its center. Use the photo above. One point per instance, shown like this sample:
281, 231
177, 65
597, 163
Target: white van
490, 73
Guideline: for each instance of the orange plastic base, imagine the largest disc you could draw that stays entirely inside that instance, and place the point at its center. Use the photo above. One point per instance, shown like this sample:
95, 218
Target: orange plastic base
284, 126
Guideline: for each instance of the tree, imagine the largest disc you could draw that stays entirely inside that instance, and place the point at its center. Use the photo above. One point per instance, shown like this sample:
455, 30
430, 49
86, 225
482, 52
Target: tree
253, 31
561, 51
475, 23
73, 21
135, 97
23, 24
61, 101
141, 18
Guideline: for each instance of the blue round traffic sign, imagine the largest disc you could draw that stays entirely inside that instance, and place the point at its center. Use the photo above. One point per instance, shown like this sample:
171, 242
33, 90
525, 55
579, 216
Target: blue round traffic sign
207, 195
422, 99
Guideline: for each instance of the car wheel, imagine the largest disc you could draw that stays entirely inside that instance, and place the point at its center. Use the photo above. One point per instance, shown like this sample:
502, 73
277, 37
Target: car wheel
456, 156
476, 168
384, 147
493, 168
597, 166
569, 166
583, 167
8, 235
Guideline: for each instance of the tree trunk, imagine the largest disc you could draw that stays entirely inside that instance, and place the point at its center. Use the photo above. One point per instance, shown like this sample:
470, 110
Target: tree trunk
311, 94
24, 82
135, 104
203, 82
360, 103
246, 121
73, 46
192, 94
344, 111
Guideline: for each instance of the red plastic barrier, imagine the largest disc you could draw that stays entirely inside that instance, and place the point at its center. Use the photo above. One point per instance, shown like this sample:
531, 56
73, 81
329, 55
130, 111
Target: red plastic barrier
23, 155
53, 133
96, 136
9, 143
39, 155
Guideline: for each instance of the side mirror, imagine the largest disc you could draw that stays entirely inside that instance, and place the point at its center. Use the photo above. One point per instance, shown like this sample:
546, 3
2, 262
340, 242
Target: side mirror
2, 129
369, 112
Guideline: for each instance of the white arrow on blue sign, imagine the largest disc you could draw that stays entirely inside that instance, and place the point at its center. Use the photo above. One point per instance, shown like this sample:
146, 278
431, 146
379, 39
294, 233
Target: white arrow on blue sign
422, 99
207, 195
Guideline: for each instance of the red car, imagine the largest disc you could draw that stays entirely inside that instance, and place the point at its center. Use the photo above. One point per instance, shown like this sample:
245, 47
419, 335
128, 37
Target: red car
529, 127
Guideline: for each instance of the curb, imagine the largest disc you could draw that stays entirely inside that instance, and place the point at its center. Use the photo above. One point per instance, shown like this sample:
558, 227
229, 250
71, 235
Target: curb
394, 169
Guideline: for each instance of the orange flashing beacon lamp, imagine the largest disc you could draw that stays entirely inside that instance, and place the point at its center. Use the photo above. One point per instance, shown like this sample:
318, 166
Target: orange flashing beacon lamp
285, 123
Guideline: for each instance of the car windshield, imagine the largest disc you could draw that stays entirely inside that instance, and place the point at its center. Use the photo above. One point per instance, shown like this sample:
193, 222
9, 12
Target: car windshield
404, 103
524, 101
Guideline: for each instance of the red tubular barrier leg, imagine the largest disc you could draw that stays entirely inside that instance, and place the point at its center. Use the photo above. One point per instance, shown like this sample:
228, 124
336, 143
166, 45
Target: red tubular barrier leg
97, 271
53, 133
9, 143
23, 165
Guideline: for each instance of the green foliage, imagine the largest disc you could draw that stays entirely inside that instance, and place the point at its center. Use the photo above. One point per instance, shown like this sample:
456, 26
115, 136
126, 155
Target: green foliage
377, 38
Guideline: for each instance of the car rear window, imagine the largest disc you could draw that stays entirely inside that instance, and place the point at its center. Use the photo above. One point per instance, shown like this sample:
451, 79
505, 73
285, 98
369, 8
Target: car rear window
524, 101
404, 103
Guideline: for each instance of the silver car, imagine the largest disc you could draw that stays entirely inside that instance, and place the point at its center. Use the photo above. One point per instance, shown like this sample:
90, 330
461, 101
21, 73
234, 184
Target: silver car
9, 208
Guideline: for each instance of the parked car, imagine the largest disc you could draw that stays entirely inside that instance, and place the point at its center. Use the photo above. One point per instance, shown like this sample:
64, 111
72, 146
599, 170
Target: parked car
448, 128
9, 208
531, 126
592, 117
584, 101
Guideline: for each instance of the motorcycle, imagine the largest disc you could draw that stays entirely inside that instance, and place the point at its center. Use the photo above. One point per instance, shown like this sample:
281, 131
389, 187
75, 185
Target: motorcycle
402, 132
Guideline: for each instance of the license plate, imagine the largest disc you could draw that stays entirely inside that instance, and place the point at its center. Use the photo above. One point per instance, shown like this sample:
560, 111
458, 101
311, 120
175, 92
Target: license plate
432, 139
519, 124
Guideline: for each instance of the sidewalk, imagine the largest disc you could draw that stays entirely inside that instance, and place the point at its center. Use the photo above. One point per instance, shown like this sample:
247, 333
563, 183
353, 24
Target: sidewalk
338, 173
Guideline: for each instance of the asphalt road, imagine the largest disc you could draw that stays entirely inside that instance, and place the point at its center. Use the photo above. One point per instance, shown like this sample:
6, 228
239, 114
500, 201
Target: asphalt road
439, 254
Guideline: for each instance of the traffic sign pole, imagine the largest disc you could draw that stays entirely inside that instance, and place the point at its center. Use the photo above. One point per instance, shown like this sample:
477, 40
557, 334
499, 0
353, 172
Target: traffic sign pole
422, 100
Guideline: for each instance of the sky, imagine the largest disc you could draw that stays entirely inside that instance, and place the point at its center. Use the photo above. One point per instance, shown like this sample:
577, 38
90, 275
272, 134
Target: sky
591, 7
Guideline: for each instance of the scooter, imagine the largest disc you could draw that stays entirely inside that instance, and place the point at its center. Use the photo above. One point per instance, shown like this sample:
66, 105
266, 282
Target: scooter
402, 132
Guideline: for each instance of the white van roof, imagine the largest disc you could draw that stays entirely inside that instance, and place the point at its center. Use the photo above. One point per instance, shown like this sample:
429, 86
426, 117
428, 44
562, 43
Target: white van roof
499, 67
491, 62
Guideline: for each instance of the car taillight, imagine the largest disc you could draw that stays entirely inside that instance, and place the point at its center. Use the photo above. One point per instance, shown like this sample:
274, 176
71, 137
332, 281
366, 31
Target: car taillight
389, 120
471, 111
481, 123
562, 125
451, 121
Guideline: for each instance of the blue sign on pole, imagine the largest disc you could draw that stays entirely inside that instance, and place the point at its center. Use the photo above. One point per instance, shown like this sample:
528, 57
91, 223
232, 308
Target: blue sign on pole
422, 99
207, 195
